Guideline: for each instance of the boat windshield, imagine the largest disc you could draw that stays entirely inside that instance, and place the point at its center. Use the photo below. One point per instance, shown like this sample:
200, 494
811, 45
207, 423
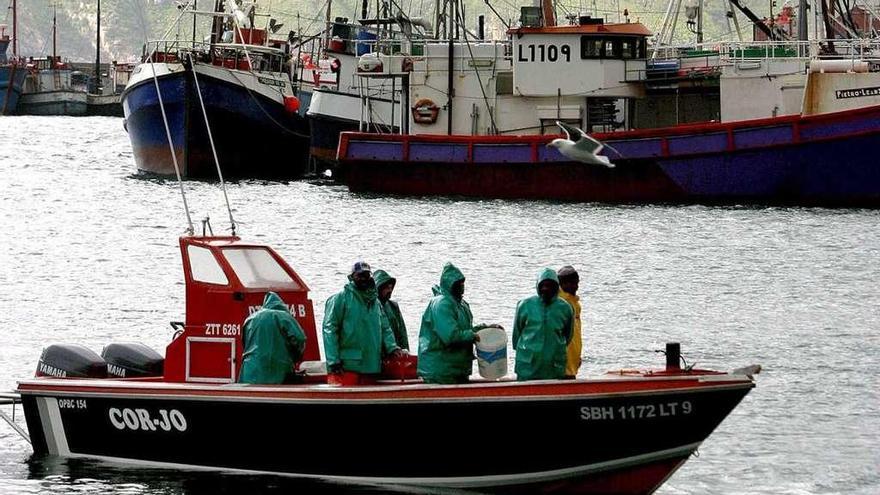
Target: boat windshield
204, 267
257, 269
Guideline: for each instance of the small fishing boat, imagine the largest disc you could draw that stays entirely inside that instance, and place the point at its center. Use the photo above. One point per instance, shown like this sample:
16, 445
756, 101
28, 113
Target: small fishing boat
186, 411
12, 72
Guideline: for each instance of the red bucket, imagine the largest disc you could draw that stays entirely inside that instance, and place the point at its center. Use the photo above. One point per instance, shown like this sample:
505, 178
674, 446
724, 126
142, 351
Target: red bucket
404, 368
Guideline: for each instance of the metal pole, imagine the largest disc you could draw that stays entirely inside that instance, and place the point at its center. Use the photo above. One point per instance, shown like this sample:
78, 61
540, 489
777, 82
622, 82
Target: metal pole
54, 35
327, 25
15, 28
195, 8
98, 53
449, 80
802, 20
700, 22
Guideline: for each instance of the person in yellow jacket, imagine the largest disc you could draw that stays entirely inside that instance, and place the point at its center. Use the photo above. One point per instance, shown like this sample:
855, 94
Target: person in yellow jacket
568, 285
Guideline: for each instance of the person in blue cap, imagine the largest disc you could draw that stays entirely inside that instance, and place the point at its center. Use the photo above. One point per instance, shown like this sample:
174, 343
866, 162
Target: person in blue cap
273, 343
356, 333
542, 329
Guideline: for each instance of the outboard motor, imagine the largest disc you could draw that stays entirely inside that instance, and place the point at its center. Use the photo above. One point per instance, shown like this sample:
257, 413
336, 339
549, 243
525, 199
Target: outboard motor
132, 360
71, 361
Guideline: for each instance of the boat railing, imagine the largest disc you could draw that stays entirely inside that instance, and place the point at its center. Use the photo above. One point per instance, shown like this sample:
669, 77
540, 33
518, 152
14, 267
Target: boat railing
229, 55
728, 53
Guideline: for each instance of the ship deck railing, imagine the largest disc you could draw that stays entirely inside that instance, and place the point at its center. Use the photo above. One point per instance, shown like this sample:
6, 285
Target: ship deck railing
227, 54
709, 59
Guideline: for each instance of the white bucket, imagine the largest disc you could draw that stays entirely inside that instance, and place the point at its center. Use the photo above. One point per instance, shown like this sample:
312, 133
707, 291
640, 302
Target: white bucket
492, 353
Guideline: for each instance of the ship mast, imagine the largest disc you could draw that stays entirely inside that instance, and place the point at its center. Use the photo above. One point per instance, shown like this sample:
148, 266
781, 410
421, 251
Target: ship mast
548, 12
15, 28
98, 53
54, 35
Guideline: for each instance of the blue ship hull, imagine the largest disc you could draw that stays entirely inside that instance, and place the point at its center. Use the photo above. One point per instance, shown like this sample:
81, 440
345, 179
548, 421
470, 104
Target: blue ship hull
255, 137
816, 160
11, 81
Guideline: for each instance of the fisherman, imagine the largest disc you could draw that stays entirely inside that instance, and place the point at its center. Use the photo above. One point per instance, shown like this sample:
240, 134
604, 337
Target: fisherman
447, 334
385, 286
542, 330
273, 343
355, 330
568, 287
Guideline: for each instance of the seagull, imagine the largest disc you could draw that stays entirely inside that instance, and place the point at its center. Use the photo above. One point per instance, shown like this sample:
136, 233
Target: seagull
579, 146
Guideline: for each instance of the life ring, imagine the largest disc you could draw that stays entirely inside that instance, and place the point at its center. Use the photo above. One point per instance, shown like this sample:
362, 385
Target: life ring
425, 112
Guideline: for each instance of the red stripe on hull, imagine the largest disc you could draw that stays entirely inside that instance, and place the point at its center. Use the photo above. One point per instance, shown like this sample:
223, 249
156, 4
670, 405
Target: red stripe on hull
640, 479
414, 390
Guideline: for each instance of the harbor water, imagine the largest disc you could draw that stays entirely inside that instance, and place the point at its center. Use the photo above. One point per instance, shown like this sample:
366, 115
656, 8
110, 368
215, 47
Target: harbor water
90, 256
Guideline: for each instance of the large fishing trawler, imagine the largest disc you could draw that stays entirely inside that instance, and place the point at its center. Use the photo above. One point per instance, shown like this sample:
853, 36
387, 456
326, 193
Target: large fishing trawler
478, 115
240, 82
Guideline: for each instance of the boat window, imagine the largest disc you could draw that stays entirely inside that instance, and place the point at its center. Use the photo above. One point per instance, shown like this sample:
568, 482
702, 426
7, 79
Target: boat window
256, 268
205, 267
612, 49
504, 83
628, 48
591, 47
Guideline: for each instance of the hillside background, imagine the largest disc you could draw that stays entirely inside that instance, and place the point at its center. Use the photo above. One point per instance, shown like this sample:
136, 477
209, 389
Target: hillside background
126, 24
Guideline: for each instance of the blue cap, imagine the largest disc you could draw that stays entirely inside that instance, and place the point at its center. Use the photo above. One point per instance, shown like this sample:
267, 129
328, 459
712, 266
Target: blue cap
361, 266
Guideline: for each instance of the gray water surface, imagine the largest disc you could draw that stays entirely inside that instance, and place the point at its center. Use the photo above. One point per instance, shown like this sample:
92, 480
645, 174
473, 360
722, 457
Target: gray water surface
90, 256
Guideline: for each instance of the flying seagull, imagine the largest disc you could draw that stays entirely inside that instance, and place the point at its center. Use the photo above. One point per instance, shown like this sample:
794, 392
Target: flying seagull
580, 147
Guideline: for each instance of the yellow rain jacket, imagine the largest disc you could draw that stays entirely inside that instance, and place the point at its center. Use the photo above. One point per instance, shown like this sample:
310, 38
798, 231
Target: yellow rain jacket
573, 352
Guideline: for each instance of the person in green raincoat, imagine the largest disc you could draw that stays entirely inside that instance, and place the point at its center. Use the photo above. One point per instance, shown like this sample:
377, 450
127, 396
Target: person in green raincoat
542, 330
446, 337
355, 330
273, 343
385, 287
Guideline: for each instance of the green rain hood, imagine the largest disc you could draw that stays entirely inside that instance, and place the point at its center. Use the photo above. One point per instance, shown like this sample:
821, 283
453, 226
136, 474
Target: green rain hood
541, 333
392, 311
273, 343
446, 335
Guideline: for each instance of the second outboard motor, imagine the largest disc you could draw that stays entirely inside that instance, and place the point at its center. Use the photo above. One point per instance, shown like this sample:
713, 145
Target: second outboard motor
132, 360
71, 361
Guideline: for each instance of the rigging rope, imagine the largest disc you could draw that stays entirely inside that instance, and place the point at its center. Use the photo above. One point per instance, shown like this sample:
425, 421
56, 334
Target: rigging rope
476, 71
211, 140
190, 230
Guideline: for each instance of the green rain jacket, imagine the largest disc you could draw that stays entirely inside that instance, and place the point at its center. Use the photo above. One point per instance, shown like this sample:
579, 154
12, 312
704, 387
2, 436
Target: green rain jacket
392, 312
356, 330
446, 336
541, 333
273, 342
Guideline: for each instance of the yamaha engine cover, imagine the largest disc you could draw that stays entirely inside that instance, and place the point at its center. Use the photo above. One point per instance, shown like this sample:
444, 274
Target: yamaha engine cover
71, 361
132, 360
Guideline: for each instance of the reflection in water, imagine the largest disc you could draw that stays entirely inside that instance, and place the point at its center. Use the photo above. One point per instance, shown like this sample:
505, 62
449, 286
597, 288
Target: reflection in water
90, 256
54, 475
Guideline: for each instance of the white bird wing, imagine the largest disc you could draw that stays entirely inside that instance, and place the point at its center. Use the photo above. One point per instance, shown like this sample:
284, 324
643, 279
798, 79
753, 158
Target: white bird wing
588, 143
581, 139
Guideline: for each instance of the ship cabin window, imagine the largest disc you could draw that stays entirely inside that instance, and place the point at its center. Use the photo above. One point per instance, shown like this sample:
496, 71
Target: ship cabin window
204, 266
257, 269
614, 47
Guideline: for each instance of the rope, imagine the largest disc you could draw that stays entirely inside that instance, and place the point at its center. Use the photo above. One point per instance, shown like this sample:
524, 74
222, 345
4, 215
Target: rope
279, 124
211, 140
189, 230
477, 72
